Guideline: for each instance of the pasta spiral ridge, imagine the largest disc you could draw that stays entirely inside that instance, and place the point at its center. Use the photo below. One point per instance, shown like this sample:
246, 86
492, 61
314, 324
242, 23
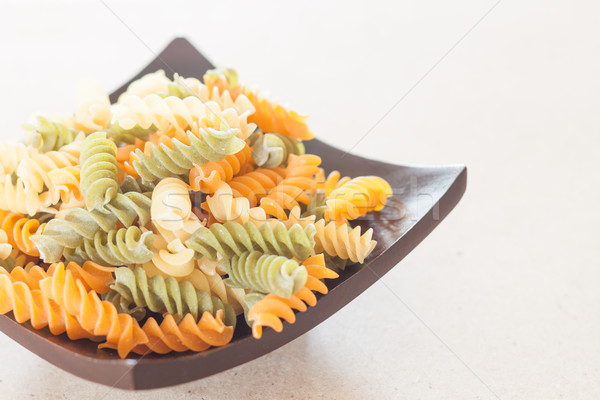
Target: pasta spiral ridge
130, 184
14, 197
265, 273
207, 178
129, 207
270, 309
12, 155
180, 114
70, 231
93, 276
162, 161
31, 305
34, 171
19, 231
343, 242
116, 247
333, 181
233, 238
98, 171
256, 184
129, 136
132, 289
357, 197
65, 185
47, 135
272, 149
297, 187
287, 195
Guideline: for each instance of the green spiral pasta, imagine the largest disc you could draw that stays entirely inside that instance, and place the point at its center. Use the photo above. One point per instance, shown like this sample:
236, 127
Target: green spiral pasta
163, 162
120, 135
130, 184
234, 238
265, 273
129, 206
49, 135
272, 149
316, 206
133, 292
116, 247
179, 88
78, 224
98, 171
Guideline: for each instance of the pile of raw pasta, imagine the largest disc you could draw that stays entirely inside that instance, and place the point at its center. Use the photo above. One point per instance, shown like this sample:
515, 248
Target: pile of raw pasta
152, 223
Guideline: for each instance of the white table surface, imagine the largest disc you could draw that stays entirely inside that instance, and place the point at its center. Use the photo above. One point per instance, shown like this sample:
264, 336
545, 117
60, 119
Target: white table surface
501, 301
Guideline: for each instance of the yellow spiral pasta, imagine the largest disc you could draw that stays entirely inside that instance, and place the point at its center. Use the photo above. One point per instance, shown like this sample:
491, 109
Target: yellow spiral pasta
13, 154
92, 107
180, 114
34, 171
356, 198
171, 210
14, 197
342, 242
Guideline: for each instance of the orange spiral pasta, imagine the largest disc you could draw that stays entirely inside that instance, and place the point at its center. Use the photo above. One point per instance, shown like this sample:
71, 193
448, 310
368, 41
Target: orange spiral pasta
31, 305
19, 231
31, 275
286, 195
207, 178
256, 184
297, 187
333, 181
357, 197
93, 276
270, 310
124, 159
269, 115
122, 332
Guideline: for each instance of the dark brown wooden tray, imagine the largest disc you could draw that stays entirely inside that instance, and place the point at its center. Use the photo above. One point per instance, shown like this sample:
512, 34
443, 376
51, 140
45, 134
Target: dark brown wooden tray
423, 196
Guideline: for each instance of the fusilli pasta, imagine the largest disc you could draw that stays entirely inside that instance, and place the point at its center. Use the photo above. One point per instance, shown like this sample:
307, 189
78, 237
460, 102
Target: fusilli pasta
265, 273
357, 197
272, 149
116, 247
343, 242
98, 171
133, 289
233, 238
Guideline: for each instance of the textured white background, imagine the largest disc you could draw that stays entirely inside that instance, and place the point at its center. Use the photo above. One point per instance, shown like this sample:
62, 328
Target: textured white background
509, 282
